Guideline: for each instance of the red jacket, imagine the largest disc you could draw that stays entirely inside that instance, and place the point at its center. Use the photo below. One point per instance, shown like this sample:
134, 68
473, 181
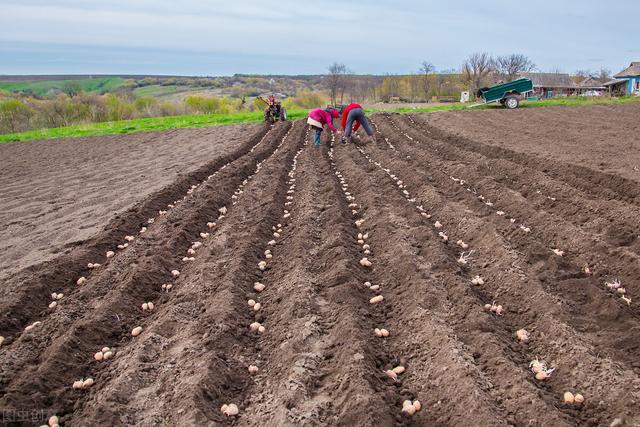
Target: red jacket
345, 113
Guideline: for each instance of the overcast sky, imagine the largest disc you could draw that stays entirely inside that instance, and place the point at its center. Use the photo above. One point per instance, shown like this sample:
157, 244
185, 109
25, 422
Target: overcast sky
212, 37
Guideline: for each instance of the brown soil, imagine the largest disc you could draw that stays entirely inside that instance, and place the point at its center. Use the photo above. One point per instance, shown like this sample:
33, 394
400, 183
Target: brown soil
600, 137
319, 360
57, 193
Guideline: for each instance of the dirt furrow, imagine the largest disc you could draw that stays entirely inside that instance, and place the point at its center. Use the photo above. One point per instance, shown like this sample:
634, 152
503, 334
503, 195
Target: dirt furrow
443, 326
563, 278
609, 250
25, 295
318, 358
103, 310
595, 183
194, 355
504, 266
274, 391
608, 219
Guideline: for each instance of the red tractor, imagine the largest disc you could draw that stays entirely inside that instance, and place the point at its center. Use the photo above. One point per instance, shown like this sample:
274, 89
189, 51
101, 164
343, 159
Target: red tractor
274, 110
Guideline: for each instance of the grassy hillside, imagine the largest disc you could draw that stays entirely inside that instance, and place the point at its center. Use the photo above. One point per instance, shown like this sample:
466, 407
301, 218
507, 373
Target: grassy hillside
43, 87
156, 90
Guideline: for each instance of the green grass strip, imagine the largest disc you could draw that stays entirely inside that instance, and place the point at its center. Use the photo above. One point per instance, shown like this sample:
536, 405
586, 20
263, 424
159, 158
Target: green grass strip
143, 125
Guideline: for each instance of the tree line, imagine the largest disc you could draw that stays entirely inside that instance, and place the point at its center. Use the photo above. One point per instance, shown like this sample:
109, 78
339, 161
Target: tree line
480, 69
476, 71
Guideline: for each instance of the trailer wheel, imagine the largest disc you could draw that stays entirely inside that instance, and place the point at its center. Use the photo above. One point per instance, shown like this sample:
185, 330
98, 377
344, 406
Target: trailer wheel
511, 102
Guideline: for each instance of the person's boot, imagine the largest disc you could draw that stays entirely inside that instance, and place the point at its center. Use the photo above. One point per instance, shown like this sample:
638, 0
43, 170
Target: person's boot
373, 139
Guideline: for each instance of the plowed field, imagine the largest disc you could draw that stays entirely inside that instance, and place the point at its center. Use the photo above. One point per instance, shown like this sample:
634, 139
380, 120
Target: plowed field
269, 252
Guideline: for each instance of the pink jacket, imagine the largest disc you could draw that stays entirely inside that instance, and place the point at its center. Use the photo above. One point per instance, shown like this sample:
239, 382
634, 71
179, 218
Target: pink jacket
323, 117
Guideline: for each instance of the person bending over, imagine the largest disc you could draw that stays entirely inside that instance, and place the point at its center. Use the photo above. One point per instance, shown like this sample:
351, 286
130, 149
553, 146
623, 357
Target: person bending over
352, 117
318, 118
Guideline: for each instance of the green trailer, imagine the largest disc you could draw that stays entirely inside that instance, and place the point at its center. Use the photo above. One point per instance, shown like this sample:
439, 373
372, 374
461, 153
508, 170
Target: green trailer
508, 94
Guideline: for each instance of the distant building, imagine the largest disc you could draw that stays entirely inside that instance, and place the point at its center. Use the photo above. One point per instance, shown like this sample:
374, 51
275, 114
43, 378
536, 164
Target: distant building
548, 85
626, 82
617, 87
590, 84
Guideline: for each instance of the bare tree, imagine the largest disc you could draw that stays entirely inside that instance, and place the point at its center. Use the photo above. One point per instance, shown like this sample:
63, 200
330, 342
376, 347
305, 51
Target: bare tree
346, 83
415, 88
583, 73
426, 69
361, 88
510, 66
476, 69
337, 81
604, 75
390, 87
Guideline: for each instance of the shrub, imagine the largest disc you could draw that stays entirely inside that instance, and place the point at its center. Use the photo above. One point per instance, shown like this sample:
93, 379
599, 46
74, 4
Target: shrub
118, 108
308, 99
95, 106
146, 105
305, 99
62, 111
14, 116
206, 105
170, 109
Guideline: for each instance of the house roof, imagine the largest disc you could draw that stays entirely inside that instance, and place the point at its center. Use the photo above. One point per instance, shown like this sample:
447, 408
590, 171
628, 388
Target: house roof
590, 83
631, 70
615, 82
550, 80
